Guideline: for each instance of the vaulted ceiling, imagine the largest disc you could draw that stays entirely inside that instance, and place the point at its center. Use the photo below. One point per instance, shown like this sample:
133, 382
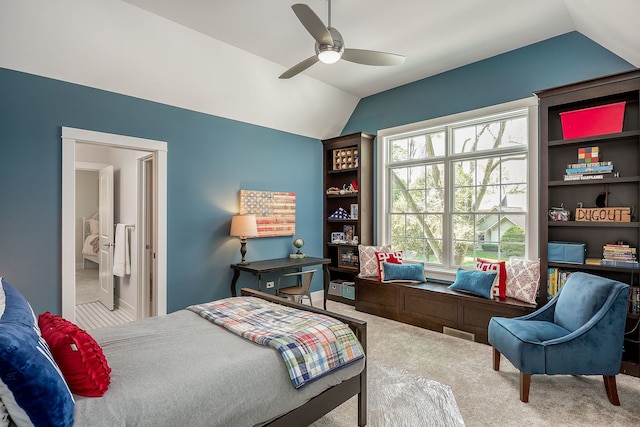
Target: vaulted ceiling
433, 35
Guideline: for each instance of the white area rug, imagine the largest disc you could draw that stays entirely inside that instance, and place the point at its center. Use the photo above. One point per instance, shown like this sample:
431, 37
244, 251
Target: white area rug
400, 399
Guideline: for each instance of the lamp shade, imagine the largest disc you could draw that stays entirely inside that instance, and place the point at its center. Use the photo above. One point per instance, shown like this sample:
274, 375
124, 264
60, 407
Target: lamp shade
244, 226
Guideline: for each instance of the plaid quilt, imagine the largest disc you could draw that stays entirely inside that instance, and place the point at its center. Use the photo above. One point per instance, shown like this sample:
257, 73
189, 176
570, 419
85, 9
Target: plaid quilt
311, 345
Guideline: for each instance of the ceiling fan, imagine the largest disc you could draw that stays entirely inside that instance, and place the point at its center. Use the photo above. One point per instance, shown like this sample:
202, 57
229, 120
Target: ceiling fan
330, 45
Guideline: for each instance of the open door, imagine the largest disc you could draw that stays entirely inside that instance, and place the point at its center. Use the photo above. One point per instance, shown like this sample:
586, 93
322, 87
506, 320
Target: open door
105, 207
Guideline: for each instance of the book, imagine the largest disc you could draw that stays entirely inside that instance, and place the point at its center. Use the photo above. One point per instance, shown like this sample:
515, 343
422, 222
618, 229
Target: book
578, 177
616, 263
587, 169
588, 165
592, 261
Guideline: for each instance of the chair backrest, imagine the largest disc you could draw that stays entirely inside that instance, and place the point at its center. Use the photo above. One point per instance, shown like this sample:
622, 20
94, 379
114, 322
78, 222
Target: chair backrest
582, 296
307, 276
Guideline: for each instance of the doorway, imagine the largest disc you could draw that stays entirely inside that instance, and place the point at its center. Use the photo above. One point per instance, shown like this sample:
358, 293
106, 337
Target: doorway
151, 217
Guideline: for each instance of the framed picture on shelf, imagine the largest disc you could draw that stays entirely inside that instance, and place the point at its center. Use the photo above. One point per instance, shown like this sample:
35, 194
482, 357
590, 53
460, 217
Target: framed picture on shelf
349, 232
337, 237
354, 211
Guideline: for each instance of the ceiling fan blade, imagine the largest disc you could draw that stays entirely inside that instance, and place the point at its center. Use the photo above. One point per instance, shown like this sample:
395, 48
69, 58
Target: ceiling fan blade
312, 23
300, 67
371, 57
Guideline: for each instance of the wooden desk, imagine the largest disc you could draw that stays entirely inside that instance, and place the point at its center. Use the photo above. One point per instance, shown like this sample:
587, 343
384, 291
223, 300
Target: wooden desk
258, 268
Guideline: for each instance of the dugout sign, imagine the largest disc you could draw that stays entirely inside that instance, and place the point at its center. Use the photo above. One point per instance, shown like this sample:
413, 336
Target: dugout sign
603, 214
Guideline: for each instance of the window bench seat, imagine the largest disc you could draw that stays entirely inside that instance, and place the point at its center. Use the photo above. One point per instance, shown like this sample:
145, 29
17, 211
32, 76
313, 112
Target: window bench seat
434, 306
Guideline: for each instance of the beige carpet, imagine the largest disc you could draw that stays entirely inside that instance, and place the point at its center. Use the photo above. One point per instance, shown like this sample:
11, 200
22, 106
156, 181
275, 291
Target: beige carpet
486, 397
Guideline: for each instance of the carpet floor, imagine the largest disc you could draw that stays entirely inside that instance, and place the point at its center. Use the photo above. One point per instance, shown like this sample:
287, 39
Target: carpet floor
483, 396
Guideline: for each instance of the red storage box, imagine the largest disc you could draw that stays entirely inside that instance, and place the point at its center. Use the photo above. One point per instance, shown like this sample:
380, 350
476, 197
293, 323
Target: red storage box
599, 120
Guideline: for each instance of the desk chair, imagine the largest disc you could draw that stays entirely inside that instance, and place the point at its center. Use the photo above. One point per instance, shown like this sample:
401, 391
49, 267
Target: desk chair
297, 293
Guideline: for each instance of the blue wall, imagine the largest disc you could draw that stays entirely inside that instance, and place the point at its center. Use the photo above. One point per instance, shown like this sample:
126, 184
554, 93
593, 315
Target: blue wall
513, 75
209, 160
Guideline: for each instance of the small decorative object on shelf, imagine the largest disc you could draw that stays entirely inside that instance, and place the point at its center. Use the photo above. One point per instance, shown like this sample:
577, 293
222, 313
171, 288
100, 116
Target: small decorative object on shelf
354, 211
349, 232
340, 213
337, 237
559, 214
298, 243
345, 158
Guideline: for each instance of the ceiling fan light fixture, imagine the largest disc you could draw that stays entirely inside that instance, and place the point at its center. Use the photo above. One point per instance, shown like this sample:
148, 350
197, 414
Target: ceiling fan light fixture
329, 56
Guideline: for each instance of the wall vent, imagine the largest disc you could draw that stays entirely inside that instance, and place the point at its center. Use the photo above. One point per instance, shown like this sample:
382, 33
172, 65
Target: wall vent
458, 333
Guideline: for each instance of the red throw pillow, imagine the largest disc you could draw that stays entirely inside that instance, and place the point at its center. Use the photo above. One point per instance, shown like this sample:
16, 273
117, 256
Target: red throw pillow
500, 289
390, 257
77, 354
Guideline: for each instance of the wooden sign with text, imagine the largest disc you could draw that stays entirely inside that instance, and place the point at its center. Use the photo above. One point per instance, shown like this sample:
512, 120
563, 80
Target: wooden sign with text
603, 214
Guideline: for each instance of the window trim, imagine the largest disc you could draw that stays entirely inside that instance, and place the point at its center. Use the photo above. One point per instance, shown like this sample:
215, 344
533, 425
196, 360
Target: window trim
532, 217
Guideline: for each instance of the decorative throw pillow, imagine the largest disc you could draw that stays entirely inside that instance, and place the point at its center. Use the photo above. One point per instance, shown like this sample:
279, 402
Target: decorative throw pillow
13, 307
368, 259
500, 288
78, 355
410, 273
390, 257
475, 282
523, 279
31, 385
94, 227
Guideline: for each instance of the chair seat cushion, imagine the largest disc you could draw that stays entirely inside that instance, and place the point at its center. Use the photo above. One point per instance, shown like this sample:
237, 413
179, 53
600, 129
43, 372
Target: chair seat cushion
522, 341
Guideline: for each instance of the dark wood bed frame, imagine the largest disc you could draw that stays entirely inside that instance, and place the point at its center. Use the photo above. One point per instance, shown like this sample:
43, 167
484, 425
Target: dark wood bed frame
330, 399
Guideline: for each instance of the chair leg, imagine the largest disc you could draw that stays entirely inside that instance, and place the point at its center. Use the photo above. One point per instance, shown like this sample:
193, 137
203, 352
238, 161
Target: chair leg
496, 359
525, 384
612, 390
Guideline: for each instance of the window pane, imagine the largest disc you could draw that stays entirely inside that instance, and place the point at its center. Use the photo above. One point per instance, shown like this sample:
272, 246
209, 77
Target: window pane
490, 135
418, 147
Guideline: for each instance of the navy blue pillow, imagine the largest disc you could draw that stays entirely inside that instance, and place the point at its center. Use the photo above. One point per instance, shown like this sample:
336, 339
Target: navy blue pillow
412, 273
31, 385
476, 282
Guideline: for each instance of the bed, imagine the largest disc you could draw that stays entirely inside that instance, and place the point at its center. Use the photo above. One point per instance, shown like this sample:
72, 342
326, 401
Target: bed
179, 369
90, 239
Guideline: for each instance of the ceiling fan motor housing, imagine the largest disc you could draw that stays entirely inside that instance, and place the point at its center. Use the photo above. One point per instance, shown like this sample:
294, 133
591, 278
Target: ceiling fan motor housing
337, 46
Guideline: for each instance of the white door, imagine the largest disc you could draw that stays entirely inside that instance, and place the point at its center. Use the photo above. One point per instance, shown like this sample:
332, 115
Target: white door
105, 207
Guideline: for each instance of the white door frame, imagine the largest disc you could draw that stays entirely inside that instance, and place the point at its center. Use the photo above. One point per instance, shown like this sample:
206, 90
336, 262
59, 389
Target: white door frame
70, 136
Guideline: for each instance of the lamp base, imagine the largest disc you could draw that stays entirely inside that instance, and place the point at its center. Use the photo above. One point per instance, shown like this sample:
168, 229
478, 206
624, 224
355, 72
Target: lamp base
243, 251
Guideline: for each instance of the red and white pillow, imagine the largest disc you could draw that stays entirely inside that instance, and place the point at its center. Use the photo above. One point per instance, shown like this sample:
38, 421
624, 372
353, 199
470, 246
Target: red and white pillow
77, 354
390, 257
499, 267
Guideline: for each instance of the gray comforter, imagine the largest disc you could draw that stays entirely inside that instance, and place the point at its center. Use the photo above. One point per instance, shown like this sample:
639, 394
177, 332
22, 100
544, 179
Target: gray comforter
181, 370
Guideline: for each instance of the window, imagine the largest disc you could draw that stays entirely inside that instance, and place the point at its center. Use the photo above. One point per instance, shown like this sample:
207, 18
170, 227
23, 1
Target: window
457, 188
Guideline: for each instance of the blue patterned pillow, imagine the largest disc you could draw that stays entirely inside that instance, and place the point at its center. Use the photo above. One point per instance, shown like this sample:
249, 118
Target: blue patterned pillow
31, 385
476, 282
411, 273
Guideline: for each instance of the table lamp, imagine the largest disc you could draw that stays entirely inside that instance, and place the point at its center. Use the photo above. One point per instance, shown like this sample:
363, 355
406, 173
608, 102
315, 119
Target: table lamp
244, 226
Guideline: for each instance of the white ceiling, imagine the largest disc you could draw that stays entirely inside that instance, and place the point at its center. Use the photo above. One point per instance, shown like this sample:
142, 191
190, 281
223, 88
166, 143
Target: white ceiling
434, 35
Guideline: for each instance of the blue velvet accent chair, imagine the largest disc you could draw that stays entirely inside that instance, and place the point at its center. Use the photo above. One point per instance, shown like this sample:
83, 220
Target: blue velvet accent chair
579, 332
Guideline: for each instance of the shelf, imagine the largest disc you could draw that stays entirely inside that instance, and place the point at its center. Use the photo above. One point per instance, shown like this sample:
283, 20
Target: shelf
612, 180
613, 137
592, 267
331, 172
593, 224
341, 196
349, 221
353, 271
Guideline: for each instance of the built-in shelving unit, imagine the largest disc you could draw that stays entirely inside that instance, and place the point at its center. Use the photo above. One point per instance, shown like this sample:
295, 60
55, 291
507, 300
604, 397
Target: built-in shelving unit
622, 186
347, 160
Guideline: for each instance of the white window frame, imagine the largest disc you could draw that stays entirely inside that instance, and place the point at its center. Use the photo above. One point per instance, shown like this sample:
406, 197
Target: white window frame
383, 197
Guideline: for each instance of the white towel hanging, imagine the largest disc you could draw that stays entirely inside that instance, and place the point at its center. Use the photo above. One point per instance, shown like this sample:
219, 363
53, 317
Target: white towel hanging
121, 257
